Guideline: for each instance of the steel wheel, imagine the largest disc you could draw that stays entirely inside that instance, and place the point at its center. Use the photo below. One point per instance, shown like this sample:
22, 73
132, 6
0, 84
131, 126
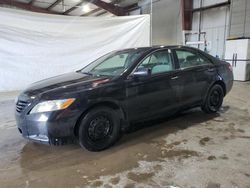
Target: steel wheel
99, 129
214, 99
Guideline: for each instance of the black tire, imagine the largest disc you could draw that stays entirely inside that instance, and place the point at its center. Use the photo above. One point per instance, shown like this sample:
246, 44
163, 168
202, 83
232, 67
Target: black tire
99, 129
214, 99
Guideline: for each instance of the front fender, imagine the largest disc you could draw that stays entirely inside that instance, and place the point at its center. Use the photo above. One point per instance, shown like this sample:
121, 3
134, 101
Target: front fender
115, 104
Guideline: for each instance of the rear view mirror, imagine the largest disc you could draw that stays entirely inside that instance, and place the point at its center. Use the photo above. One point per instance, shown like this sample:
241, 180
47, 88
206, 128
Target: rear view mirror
142, 72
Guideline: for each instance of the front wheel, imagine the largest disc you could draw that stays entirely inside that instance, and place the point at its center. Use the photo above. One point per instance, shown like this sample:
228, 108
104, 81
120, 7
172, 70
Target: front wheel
213, 100
99, 129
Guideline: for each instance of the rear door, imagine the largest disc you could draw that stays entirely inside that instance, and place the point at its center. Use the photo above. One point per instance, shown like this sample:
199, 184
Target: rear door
151, 96
197, 73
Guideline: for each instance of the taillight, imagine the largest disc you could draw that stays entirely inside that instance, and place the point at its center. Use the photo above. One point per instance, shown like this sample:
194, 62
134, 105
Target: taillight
230, 67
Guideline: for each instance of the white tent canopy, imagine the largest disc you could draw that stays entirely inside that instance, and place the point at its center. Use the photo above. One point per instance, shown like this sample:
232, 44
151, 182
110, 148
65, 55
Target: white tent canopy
36, 46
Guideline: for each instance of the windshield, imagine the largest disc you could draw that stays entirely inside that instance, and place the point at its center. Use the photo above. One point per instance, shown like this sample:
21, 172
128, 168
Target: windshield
113, 64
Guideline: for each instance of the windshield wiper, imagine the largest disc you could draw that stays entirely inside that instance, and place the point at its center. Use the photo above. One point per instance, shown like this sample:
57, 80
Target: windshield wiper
88, 73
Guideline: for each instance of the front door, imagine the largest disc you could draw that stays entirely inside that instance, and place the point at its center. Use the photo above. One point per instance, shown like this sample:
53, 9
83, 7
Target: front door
155, 94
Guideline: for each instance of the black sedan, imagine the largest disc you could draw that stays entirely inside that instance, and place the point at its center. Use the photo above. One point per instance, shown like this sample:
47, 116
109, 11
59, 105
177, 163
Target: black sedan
96, 104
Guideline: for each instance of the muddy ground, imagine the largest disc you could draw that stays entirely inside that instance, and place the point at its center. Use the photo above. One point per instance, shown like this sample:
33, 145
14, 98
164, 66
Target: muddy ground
193, 150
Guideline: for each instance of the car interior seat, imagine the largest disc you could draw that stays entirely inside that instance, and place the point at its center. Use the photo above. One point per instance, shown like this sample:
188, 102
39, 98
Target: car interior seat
163, 64
190, 61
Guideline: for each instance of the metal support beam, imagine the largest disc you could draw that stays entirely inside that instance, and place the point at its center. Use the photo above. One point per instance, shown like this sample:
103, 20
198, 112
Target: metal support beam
92, 12
54, 4
187, 14
116, 10
227, 3
104, 12
25, 6
132, 7
32, 2
74, 7
125, 9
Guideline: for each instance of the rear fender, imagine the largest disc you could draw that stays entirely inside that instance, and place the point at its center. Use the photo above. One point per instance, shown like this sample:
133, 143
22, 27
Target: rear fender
219, 80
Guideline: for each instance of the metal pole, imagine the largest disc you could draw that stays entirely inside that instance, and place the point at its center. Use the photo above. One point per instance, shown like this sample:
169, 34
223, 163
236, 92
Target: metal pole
230, 17
245, 18
200, 17
151, 22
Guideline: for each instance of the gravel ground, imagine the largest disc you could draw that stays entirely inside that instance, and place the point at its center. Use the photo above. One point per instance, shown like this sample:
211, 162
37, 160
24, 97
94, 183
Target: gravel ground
193, 150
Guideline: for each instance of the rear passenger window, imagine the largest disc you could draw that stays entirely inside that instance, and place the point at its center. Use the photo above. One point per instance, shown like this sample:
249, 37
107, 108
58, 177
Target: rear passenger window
190, 59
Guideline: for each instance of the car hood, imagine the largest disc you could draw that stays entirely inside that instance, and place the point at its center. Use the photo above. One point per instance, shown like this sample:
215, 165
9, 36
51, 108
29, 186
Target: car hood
63, 81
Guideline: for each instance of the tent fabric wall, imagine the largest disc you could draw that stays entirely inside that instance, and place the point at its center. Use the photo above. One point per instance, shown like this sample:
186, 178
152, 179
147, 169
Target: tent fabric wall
36, 46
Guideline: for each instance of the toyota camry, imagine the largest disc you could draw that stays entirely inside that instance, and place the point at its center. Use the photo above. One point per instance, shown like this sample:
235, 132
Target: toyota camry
96, 104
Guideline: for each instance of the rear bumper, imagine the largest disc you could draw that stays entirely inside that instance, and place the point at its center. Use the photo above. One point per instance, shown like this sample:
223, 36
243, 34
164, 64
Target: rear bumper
54, 128
229, 87
226, 76
229, 83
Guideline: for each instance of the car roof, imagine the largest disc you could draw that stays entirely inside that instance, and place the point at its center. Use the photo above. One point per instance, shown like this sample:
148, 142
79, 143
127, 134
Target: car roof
153, 48
160, 47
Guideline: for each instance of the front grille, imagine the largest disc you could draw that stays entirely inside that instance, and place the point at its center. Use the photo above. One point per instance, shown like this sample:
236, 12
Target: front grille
21, 105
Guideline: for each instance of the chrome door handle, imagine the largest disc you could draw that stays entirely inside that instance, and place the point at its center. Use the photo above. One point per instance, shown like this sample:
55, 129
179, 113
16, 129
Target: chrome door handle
174, 78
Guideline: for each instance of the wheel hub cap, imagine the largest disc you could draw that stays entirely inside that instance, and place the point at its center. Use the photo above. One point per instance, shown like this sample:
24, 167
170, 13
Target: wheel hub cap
215, 98
99, 128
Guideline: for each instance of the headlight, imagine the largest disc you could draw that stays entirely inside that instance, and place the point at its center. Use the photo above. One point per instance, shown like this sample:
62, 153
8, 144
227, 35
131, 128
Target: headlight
16, 99
52, 105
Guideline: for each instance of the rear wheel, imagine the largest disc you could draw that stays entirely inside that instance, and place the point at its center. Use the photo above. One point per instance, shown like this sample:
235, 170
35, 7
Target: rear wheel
213, 100
99, 129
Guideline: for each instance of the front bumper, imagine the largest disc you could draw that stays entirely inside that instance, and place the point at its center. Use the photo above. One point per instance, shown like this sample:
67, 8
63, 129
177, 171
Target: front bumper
54, 128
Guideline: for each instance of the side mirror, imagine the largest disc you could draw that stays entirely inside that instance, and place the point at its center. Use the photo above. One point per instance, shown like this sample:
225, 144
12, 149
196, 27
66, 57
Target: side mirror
142, 72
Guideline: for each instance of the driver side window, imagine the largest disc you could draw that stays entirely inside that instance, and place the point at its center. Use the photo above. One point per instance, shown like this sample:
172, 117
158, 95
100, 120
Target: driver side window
158, 62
